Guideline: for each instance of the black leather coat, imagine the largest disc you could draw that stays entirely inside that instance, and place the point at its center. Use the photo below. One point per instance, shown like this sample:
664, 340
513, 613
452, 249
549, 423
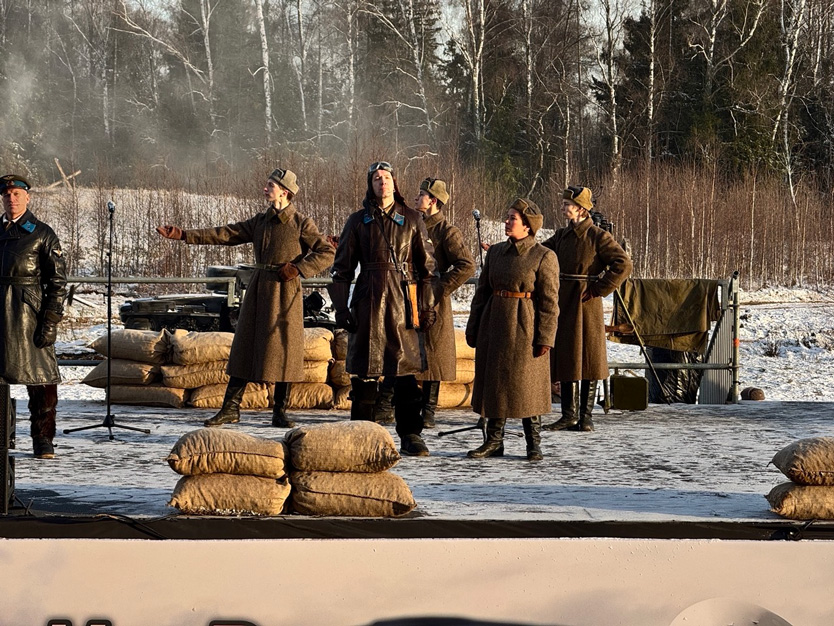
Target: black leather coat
33, 280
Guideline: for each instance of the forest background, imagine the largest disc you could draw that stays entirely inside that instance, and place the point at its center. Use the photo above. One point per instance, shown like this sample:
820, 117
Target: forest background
704, 127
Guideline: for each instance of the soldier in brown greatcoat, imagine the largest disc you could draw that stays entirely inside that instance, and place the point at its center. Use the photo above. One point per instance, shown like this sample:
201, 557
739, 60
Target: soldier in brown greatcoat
269, 339
455, 266
512, 326
593, 265
389, 243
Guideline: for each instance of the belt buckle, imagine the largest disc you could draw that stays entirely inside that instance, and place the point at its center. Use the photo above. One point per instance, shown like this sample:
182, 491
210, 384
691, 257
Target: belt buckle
503, 293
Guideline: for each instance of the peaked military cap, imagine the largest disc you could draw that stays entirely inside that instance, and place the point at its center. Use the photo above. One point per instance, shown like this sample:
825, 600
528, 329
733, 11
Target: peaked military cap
13, 180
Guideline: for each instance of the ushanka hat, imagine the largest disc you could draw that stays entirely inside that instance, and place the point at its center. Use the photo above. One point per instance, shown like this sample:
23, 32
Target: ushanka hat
530, 212
580, 196
13, 180
436, 188
286, 179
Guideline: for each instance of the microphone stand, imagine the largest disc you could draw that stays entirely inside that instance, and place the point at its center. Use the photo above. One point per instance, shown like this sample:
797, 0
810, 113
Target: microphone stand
477, 217
109, 421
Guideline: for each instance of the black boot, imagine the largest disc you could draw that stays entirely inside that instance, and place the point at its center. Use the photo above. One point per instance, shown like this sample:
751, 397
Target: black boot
279, 408
431, 391
533, 435
43, 405
587, 398
494, 444
570, 407
384, 405
408, 400
230, 411
362, 399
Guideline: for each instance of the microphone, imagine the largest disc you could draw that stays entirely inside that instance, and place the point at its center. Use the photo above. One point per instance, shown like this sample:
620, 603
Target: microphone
477, 215
111, 206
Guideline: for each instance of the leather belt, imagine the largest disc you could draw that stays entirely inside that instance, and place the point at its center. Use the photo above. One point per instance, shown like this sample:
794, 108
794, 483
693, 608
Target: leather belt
19, 280
387, 266
513, 294
267, 267
589, 277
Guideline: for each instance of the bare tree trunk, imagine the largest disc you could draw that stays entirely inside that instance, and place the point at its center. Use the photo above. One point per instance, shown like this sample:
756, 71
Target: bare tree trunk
265, 69
205, 25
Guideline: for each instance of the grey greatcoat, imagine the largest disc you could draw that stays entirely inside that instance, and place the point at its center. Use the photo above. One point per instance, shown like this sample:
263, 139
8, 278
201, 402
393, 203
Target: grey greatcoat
382, 344
584, 250
455, 266
33, 280
269, 339
509, 381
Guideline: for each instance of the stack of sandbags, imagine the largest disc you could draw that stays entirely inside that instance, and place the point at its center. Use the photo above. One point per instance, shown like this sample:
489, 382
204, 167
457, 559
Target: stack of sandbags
136, 358
226, 472
338, 378
314, 392
809, 464
341, 468
459, 392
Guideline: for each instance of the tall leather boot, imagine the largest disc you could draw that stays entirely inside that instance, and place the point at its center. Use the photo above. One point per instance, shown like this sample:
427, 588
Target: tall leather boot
362, 398
384, 405
533, 435
229, 413
570, 407
431, 391
408, 400
494, 444
587, 398
43, 404
279, 408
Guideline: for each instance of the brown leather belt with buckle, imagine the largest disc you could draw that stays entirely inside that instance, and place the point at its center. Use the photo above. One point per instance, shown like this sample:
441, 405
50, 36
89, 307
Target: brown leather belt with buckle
513, 294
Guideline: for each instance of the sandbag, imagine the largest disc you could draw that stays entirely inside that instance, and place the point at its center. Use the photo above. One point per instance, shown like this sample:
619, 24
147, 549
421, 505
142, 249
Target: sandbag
223, 451
340, 344
381, 494
341, 398
196, 375
310, 396
356, 446
122, 372
338, 376
154, 394
808, 461
317, 344
199, 347
147, 346
464, 372
463, 351
316, 371
229, 494
453, 396
802, 502
256, 396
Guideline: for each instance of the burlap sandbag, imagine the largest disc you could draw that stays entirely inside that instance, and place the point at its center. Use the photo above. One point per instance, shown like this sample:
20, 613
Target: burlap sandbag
154, 394
342, 447
463, 351
122, 373
341, 398
381, 494
339, 345
197, 347
193, 376
802, 502
225, 451
229, 494
808, 461
465, 372
453, 396
337, 376
147, 346
317, 344
256, 396
310, 396
316, 371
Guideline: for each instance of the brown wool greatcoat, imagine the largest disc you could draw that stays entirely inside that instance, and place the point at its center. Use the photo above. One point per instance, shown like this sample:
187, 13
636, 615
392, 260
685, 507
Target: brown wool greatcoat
509, 381
382, 345
584, 249
455, 266
269, 339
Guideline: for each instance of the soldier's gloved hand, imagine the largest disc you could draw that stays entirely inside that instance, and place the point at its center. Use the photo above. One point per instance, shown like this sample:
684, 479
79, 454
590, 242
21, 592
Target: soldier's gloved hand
427, 319
333, 240
540, 351
590, 293
171, 232
345, 320
471, 340
47, 331
287, 272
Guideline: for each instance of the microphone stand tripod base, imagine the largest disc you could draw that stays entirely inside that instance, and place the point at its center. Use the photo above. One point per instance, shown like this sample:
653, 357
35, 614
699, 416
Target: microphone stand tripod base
109, 423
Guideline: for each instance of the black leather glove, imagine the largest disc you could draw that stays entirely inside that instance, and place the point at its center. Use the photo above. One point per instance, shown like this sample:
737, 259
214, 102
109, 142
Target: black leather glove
345, 320
471, 341
427, 319
47, 331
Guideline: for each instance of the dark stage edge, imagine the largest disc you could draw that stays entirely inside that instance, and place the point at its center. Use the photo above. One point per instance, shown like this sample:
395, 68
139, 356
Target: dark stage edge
20, 524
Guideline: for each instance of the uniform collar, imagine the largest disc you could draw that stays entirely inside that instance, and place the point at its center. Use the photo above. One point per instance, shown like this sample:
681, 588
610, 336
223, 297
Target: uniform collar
284, 214
431, 220
582, 227
522, 245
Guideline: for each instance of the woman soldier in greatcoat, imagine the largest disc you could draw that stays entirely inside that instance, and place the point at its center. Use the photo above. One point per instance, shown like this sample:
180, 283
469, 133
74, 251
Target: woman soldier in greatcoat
512, 325
593, 265
269, 340
389, 243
